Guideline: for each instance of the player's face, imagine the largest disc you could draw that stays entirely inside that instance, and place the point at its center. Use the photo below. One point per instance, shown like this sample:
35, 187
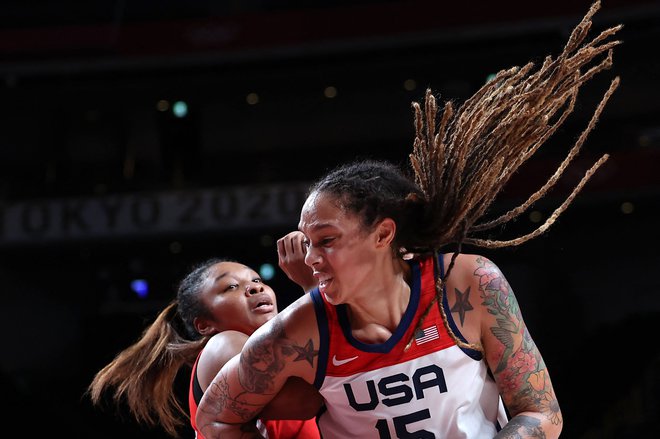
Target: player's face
237, 297
339, 250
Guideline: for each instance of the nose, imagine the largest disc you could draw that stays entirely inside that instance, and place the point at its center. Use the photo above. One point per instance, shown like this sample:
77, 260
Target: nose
312, 257
252, 289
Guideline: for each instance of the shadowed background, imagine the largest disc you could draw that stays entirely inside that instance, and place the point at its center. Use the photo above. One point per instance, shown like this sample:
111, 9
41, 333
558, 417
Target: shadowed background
137, 138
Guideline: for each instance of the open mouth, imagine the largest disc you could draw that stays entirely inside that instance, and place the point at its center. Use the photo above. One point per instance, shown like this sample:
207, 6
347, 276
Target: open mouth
264, 304
323, 283
323, 280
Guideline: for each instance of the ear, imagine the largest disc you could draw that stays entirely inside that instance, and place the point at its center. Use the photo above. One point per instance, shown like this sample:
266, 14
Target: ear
385, 232
203, 326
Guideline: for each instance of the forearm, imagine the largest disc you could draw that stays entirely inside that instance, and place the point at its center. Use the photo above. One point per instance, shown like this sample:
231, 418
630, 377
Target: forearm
221, 406
227, 404
214, 412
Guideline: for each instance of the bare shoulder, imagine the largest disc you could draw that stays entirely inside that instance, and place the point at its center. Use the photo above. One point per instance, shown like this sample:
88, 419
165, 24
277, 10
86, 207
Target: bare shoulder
467, 263
218, 350
469, 279
473, 270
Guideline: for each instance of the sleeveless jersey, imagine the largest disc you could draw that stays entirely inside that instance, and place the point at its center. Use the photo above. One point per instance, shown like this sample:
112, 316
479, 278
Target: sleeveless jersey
435, 389
271, 429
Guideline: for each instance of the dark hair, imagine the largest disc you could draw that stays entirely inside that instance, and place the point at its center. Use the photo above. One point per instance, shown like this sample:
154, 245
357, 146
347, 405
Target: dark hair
143, 374
374, 190
189, 306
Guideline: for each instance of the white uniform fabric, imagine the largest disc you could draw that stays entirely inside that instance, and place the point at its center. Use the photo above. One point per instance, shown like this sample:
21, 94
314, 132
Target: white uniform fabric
434, 390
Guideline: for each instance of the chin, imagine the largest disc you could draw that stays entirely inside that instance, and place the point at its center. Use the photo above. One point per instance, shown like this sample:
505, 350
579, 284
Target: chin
332, 300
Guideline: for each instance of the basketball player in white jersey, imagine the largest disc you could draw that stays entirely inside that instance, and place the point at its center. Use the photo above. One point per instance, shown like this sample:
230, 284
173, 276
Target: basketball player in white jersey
391, 355
402, 338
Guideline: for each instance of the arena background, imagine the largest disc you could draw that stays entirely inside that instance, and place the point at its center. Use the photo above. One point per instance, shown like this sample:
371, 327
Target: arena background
138, 137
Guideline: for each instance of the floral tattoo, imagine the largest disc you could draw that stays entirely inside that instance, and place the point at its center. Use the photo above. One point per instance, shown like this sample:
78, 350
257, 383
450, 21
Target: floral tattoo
520, 371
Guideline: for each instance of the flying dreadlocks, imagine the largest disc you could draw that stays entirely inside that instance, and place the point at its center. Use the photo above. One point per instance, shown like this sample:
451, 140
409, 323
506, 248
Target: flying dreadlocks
462, 163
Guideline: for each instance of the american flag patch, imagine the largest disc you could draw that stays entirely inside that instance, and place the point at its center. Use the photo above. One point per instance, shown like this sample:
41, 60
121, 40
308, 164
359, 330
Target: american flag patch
427, 334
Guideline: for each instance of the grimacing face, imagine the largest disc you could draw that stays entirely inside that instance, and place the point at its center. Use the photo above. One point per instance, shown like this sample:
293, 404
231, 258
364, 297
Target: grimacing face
237, 298
340, 251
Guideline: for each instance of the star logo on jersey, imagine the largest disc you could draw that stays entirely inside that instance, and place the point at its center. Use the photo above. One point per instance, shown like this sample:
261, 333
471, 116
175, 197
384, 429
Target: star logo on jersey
337, 362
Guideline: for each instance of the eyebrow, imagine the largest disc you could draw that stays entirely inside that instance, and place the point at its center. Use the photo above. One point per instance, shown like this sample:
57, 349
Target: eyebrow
227, 273
217, 278
317, 227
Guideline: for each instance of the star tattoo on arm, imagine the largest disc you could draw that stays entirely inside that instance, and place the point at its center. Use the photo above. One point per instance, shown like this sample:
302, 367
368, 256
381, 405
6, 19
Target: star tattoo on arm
306, 352
462, 304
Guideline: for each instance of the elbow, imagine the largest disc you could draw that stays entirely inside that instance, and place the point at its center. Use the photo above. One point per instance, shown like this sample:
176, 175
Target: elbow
551, 422
546, 423
555, 423
553, 431
553, 419
208, 425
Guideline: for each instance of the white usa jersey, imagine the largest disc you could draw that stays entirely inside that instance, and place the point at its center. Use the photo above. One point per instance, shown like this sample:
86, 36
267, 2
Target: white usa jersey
435, 389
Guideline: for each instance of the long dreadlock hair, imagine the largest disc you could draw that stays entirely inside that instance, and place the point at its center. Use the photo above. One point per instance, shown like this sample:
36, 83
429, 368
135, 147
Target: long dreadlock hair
462, 161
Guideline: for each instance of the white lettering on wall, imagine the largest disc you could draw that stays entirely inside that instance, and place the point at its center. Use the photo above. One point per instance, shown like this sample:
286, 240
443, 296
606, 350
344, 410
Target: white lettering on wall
223, 209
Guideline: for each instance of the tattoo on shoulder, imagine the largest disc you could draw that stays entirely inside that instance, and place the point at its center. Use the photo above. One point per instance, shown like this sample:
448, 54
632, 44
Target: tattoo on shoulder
462, 304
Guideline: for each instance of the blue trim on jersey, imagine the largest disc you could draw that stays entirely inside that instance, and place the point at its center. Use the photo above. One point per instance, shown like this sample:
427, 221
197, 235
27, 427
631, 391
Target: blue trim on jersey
400, 330
324, 337
472, 353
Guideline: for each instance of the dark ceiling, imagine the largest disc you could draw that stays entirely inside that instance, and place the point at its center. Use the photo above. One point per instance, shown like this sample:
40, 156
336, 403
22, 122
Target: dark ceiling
81, 81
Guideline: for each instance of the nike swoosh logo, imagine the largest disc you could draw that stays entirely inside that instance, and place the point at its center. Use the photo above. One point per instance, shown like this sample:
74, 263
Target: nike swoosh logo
336, 362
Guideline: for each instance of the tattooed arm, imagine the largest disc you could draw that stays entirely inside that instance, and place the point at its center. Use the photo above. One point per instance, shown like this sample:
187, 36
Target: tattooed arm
282, 348
520, 372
